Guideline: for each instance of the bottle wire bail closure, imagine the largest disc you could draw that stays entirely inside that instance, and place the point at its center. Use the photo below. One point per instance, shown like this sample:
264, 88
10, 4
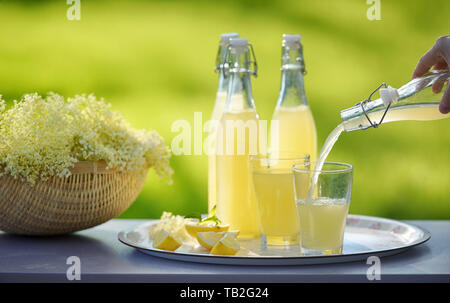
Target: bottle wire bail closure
253, 62
362, 104
226, 63
220, 60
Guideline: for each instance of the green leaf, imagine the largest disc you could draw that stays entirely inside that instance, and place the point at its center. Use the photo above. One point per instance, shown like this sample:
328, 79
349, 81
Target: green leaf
211, 219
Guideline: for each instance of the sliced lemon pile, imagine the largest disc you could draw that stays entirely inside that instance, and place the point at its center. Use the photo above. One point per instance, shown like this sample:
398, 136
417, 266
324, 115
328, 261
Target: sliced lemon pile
195, 227
227, 245
210, 238
164, 240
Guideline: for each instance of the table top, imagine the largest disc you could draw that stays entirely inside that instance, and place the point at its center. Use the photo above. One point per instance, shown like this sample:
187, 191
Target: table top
104, 259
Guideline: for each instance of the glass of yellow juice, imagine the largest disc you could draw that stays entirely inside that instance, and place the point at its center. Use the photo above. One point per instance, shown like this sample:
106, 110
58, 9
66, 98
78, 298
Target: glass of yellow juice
273, 184
322, 196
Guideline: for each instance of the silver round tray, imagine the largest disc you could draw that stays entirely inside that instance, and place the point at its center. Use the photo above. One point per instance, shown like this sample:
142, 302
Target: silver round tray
364, 236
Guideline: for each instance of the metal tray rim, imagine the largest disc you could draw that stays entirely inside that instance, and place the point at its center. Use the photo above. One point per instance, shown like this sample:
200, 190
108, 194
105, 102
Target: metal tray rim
261, 260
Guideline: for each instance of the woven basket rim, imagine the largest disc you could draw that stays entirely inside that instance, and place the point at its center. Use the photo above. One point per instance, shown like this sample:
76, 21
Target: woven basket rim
100, 167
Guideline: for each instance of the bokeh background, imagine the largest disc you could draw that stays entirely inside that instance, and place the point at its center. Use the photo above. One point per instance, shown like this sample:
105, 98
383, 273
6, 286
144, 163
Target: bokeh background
154, 61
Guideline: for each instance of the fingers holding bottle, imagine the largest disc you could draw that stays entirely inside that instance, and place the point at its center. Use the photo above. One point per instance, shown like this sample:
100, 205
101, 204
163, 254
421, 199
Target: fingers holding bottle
438, 57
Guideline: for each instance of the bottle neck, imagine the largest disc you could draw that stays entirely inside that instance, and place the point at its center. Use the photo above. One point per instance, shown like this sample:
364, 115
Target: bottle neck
223, 84
292, 89
223, 81
239, 94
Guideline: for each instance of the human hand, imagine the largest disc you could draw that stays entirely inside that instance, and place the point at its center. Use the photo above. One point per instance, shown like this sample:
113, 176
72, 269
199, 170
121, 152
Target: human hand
437, 57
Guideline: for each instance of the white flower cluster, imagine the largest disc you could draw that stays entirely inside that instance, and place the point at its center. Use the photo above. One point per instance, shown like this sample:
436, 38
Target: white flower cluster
173, 224
44, 137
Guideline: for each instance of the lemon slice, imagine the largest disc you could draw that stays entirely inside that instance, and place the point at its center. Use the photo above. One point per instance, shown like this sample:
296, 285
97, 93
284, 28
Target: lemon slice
208, 239
194, 227
227, 245
164, 240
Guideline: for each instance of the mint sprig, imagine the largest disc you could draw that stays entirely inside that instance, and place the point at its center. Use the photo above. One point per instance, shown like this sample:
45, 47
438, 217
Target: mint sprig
212, 217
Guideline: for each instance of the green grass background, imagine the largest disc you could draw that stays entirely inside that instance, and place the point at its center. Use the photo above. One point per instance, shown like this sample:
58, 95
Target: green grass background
154, 60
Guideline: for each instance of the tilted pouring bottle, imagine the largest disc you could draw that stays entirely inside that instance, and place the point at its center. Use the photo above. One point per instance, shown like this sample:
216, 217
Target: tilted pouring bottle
413, 101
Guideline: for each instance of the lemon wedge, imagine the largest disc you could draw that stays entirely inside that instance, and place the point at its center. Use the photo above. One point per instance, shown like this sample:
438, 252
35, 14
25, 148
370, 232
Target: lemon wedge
227, 245
164, 240
208, 239
195, 227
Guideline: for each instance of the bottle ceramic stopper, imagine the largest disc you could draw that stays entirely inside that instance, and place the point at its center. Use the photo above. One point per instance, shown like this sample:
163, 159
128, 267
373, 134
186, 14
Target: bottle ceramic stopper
389, 95
238, 45
225, 38
291, 40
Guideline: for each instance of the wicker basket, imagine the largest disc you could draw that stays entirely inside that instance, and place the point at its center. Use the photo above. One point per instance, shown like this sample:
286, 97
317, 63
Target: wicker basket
90, 196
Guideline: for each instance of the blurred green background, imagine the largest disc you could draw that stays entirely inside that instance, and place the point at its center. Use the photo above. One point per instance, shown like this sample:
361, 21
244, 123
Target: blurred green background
154, 61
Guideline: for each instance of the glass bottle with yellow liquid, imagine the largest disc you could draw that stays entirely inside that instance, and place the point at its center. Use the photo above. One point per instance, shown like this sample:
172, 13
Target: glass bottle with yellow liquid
416, 100
237, 140
219, 106
293, 128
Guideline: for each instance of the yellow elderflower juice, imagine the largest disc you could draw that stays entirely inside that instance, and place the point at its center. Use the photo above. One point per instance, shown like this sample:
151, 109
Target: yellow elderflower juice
322, 224
238, 138
276, 205
236, 204
296, 131
212, 178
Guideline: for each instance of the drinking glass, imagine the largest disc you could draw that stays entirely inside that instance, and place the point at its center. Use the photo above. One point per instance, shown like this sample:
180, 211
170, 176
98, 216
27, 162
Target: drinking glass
273, 183
322, 196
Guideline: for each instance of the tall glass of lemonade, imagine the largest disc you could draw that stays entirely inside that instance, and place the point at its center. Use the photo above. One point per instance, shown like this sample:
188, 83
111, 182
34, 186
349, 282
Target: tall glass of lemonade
322, 212
273, 181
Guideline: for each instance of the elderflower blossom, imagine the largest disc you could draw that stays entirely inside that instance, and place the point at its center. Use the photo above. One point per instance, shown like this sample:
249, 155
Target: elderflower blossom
44, 137
173, 224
